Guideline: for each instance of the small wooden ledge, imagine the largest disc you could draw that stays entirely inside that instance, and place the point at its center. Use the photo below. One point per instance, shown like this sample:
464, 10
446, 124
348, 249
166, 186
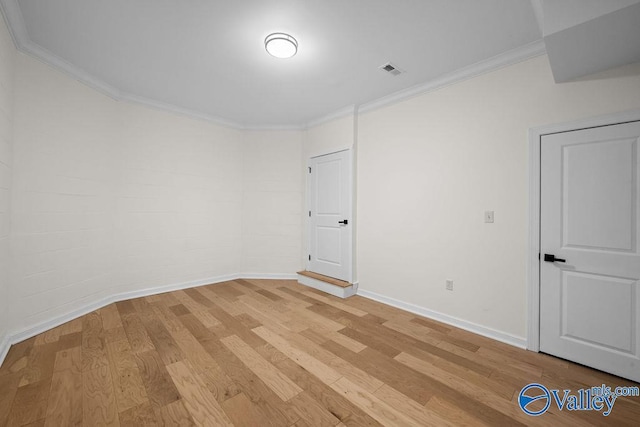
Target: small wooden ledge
326, 279
330, 285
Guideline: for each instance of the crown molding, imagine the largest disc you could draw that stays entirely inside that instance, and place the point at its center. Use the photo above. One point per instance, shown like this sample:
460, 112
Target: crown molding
502, 60
273, 127
15, 22
343, 112
163, 106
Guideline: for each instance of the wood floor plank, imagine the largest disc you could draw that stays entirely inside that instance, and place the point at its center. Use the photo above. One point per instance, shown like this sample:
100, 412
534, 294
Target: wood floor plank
110, 317
141, 415
8, 389
411, 408
276, 353
201, 404
393, 374
68, 359
312, 411
423, 334
269, 374
129, 388
335, 403
364, 379
464, 388
226, 291
39, 364
66, 397
248, 383
209, 370
71, 327
99, 402
163, 342
174, 414
94, 353
375, 407
343, 340
272, 320
134, 328
323, 372
50, 336
243, 412
334, 302
402, 341
30, 403
160, 388
452, 414
427, 362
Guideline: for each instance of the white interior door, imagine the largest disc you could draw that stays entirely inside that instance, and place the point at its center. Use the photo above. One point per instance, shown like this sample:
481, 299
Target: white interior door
330, 215
589, 297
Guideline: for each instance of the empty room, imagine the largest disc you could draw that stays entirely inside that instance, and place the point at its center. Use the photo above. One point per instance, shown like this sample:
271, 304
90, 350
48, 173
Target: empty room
319, 213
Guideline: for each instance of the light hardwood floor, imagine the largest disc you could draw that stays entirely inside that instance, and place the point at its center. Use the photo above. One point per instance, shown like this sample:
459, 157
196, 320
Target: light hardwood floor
260, 352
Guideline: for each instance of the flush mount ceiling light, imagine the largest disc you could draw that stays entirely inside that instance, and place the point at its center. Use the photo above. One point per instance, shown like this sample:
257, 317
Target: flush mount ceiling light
281, 45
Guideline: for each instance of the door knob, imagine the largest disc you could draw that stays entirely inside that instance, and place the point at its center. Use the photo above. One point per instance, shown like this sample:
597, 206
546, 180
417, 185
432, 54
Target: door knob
552, 258
345, 222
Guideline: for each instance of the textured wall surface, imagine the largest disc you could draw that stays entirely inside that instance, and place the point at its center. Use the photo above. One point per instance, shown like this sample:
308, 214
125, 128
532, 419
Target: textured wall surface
111, 197
7, 58
272, 202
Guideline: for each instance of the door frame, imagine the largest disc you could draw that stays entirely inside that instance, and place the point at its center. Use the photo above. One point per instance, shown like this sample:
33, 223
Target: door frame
533, 256
351, 207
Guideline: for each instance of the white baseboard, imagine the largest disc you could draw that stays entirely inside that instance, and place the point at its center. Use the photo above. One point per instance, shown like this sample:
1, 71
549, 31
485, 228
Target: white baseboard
5, 345
450, 320
16, 337
272, 276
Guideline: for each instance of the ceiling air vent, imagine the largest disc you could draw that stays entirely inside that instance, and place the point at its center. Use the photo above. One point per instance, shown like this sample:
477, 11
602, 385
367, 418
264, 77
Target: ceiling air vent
391, 69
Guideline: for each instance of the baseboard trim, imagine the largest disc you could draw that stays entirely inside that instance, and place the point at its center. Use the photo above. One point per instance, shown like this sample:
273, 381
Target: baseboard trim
5, 345
272, 276
445, 318
14, 338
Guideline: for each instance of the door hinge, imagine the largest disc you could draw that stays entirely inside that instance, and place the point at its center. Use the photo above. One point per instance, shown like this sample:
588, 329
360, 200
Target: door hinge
309, 213
309, 169
309, 257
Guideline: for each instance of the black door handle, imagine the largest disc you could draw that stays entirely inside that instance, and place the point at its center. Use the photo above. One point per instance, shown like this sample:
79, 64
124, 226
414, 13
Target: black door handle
552, 258
345, 222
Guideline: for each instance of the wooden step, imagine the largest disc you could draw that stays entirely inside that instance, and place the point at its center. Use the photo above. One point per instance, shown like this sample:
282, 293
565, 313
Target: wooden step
336, 282
330, 285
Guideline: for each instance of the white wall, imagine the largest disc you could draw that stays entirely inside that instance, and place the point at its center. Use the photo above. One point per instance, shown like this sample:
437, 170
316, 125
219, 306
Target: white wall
178, 206
111, 197
430, 166
272, 202
7, 56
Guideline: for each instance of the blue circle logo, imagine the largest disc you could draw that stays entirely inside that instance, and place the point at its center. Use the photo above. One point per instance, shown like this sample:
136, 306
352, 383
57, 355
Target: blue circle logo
534, 395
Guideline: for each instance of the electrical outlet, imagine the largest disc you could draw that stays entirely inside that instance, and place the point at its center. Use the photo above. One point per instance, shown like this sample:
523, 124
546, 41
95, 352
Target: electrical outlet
449, 285
488, 217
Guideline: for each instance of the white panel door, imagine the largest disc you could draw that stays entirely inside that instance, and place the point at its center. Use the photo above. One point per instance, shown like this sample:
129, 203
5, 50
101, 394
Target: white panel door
589, 295
330, 215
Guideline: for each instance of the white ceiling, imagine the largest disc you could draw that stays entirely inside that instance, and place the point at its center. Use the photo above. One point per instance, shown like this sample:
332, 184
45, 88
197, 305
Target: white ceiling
207, 56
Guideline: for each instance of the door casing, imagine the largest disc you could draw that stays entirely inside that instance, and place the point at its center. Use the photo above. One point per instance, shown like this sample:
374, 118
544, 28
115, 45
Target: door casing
533, 261
352, 228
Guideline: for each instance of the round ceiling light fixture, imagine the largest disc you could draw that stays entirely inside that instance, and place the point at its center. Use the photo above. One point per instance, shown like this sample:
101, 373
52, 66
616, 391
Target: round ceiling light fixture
281, 45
